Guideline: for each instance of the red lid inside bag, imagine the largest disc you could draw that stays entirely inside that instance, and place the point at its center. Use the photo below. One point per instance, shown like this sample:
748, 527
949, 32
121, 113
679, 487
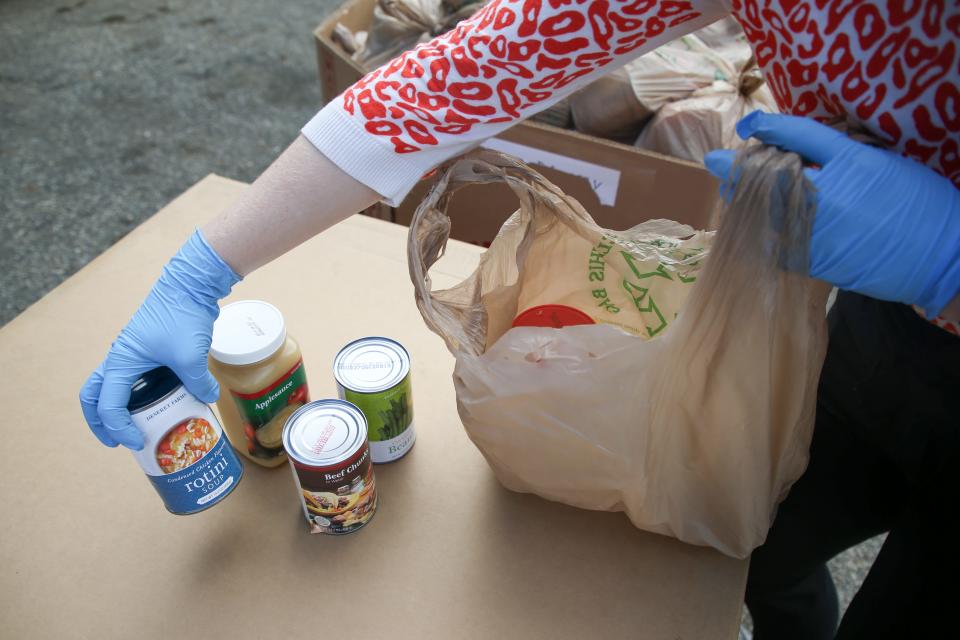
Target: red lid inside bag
552, 315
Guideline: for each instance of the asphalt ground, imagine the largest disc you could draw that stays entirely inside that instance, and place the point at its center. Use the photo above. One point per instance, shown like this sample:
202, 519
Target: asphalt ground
111, 108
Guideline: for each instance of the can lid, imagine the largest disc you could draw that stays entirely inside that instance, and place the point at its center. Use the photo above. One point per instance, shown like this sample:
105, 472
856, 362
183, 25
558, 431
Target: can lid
246, 332
370, 365
324, 432
552, 315
152, 386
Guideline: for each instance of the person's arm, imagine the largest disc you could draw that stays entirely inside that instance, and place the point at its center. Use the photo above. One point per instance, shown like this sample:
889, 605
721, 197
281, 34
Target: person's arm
510, 60
298, 196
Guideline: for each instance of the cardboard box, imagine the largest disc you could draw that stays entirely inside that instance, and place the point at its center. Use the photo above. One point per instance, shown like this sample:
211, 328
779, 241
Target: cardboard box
380, 210
618, 184
90, 552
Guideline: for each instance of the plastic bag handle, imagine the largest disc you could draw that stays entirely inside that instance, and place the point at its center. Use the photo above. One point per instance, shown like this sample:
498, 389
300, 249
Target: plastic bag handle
463, 327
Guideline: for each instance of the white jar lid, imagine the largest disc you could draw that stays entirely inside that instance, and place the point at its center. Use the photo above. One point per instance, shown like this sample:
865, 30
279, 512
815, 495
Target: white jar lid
246, 332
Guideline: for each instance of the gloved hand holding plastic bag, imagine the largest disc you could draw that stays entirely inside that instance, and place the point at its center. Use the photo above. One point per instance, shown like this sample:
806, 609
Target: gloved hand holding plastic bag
695, 431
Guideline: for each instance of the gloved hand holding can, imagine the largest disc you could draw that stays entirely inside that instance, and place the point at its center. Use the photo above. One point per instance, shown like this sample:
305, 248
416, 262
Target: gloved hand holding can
172, 328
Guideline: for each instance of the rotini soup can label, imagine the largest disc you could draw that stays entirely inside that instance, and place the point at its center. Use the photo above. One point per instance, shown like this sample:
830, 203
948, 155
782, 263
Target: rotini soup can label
326, 445
374, 374
185, 454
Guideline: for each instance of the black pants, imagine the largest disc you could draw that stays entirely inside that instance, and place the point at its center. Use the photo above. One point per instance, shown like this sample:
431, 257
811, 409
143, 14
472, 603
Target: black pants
884, 457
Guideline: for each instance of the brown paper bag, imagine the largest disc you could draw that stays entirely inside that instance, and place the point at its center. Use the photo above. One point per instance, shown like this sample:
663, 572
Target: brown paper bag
696, 432
707, 118
619, 104
609, 108
400, 25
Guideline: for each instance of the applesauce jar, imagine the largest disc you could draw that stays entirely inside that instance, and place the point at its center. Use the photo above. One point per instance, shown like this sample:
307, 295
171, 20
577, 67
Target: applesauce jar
260, 370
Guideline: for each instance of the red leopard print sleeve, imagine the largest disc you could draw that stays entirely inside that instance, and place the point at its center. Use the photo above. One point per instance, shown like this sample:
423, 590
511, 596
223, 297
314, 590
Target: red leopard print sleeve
510, 60
494, 68
894, 66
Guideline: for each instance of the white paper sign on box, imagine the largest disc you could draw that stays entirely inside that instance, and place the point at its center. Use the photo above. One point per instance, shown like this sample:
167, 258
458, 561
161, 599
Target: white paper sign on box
603, 180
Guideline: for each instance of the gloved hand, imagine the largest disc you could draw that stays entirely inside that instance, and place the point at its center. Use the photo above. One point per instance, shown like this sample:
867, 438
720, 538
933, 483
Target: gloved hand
173, 327
886, 226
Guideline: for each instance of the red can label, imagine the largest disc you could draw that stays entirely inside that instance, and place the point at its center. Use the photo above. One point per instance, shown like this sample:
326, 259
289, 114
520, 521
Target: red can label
338, 499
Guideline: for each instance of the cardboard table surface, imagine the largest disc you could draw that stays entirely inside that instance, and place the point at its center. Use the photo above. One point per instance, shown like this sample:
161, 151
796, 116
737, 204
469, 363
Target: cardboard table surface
88, 551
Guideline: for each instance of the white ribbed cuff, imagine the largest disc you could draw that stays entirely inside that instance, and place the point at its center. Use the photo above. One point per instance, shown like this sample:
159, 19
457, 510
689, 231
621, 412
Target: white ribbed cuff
365, 157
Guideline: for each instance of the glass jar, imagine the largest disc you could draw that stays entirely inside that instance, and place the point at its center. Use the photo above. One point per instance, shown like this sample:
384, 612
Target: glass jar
262, 380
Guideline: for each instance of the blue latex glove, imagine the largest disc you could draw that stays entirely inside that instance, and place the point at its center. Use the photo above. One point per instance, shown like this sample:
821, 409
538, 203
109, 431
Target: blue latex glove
886, 226
173, 327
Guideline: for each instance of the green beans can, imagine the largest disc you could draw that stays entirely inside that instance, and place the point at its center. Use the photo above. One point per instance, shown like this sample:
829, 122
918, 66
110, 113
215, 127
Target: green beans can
374, 374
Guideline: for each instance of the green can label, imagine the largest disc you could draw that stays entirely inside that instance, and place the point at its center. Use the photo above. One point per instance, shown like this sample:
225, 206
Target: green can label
265, 412
389, 419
